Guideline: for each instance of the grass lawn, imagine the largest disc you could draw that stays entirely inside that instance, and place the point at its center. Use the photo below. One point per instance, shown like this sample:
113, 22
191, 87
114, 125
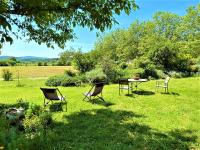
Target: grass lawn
141, 121
35, 71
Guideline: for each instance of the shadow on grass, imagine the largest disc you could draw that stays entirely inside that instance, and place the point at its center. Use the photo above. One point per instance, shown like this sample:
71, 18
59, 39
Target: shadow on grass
142, 92
171, 93
107, 129
114, 130
98, 101
56, 107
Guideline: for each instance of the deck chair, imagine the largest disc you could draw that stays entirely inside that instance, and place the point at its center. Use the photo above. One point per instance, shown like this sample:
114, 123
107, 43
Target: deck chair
160, 84
124, 85
52, 94
98, 88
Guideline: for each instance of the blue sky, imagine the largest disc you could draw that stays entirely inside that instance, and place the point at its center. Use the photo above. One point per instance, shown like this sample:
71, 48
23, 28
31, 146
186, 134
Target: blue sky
86, 38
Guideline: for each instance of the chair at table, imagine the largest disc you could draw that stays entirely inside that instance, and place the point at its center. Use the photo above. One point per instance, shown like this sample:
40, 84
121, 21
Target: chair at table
161, 84
52, 94
98, 88
124, 85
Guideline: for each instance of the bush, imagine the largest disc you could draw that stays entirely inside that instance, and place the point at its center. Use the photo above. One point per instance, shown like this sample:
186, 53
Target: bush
176, 74
6, 74
111, 70
39, 64
54, 81
46, 119
161, 74
150, 71
83, 78
95, 75
32, 124
70, 73
62, 80
123, 65
69, 81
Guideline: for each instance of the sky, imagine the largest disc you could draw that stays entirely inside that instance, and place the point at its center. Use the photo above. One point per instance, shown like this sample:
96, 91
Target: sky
86, 38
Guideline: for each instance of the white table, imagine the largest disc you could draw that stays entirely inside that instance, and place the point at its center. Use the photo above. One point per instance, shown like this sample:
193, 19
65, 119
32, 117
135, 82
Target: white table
136, 82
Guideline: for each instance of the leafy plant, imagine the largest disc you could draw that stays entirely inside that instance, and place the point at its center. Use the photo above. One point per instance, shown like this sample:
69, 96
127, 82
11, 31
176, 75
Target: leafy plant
54, 80
95, 75
70, 73
7, 74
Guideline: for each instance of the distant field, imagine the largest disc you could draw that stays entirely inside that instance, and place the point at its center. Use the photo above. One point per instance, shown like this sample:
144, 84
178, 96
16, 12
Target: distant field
35, 71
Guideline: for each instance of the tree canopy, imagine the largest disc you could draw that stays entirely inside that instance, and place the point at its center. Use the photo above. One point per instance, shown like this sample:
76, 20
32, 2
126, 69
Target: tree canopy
168, 41
53, 21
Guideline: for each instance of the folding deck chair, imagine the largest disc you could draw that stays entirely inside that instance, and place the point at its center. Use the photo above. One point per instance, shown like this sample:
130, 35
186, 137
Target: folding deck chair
52, 94
98, 88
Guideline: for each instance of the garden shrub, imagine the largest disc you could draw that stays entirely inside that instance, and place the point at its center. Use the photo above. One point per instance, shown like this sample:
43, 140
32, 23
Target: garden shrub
132, 72
111, 70
176, 74
55, 80
32, 124
123, 65
161, 74
34, 129
70, 73
150, 71
82, 78
62, 80
96, 75
69, 81
7, 74
33, 110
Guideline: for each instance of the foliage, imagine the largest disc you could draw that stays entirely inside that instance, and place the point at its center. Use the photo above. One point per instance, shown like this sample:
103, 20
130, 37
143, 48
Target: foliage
4, 63
53, 22
62, 80
39, 64
84, 62
168, 41
69, 81
10, 62
7, 74
96, 75
66, 57
111, 69
70, 73
54, 80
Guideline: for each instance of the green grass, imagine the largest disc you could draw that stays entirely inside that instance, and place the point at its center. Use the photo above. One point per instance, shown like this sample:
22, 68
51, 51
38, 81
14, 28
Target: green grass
141, 121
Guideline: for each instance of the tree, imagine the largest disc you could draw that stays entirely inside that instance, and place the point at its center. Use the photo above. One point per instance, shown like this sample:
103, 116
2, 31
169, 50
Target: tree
53, 21
66, 57
83, 61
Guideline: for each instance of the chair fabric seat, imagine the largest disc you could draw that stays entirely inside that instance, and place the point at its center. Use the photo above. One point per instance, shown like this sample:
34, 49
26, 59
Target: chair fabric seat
52, 94
88, 94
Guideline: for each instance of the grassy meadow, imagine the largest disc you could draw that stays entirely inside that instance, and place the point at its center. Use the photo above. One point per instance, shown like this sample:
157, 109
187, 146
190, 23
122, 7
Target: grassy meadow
147, 120
35, 71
